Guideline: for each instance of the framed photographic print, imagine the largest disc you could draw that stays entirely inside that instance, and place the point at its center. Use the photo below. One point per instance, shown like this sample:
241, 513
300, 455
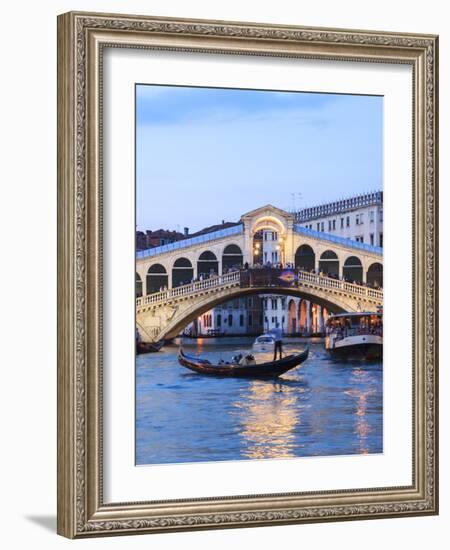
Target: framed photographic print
247, 283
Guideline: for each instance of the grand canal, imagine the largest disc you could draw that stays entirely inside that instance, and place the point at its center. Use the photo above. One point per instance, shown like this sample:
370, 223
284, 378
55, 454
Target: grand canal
321, 408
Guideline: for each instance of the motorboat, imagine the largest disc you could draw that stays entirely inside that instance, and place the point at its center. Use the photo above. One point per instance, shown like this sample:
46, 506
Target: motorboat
355, 335
265, 342
148, 347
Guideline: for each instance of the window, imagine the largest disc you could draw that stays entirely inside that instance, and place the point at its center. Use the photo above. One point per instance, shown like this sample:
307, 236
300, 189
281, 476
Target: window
342, 223
265, 236
359, 238
266, 320
329, 225
265, 257
357, 219
348, 221
219, 320
372, 239
322, 226
318, 226
230, 320
274, 303
274, 257
381, 239
274, 236
250, 302
250, 320
334, 225
241, 320
361, 218
372, 216
283, 303
381, 214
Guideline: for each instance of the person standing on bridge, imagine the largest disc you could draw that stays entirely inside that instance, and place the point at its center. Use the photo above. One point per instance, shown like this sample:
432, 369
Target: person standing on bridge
278, 336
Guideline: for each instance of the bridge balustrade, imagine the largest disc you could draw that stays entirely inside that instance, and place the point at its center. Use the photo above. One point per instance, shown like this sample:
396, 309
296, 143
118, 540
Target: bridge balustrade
262, 278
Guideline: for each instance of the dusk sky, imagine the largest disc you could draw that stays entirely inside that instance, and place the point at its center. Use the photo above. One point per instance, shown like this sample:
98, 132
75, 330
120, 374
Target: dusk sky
205, 155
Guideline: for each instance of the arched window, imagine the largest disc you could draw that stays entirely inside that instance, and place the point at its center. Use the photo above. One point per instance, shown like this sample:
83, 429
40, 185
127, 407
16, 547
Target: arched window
157, 278
305, 259
329, 263
207, 264
182, 272
375, 275
232, 257
138, 286
352, 270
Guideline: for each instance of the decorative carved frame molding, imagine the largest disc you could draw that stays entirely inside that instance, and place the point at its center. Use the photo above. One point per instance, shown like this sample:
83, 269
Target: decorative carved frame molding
81, 37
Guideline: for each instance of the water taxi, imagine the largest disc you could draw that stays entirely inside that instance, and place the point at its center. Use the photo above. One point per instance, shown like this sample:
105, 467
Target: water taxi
265, 342
355, 335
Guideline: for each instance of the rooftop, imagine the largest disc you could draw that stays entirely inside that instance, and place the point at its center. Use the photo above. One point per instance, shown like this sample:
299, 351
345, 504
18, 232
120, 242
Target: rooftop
340, 206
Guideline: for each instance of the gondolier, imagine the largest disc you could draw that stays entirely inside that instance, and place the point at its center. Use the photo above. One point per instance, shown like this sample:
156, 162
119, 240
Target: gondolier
278, 335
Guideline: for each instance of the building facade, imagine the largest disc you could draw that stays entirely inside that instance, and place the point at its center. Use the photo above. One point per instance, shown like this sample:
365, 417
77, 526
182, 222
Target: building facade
359, 218
243, 316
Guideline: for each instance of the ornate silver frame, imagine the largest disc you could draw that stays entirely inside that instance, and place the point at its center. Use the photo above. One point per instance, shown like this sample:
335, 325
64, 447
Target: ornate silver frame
81, 510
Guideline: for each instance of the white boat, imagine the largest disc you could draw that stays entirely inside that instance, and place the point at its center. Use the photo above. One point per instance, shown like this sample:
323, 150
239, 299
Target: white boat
265, 342
355, 335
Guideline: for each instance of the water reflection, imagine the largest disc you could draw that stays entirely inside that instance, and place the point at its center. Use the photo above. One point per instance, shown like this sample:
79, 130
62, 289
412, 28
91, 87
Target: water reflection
363, 382
268, 413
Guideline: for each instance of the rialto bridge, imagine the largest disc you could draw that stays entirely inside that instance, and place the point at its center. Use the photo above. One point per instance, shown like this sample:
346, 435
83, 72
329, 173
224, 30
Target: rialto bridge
177, 282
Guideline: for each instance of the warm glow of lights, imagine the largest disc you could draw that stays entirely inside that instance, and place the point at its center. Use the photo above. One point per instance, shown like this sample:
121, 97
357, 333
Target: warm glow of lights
257, 245
268, 426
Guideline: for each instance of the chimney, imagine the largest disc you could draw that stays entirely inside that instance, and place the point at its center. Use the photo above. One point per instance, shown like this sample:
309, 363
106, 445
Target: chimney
186, 231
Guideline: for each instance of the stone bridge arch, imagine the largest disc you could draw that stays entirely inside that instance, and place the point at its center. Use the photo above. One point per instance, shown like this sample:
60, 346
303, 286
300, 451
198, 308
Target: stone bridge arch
179, 315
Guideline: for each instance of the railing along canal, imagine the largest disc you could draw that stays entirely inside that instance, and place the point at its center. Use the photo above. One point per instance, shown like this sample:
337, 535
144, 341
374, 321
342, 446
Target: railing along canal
254, 278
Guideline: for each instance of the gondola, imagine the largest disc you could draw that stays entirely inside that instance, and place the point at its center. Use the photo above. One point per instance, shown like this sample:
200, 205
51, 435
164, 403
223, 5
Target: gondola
272, 369
148, 347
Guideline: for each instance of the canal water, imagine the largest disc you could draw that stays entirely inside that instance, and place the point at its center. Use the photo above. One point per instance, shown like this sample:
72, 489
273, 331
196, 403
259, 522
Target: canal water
321, 408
